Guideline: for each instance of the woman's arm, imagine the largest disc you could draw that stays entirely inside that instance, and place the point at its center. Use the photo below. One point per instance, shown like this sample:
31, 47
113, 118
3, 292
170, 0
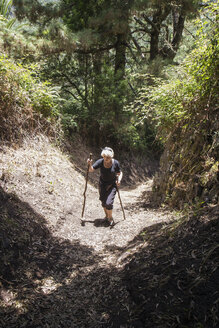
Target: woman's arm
119, 178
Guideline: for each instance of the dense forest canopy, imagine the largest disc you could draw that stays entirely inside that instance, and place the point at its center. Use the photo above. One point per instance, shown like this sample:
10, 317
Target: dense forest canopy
100, 54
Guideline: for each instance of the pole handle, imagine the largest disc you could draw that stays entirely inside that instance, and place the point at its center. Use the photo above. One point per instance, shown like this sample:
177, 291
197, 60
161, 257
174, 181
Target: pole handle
88, 165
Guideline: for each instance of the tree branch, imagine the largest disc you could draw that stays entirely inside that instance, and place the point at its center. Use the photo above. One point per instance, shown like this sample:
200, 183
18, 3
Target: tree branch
68, 91
194, 37
145, 28
73, 85
150, 22
138, 30
133, 55
137, 45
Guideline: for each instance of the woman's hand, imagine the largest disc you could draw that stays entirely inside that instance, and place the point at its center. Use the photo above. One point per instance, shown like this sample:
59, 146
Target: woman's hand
90, 162
118, 179
117, 183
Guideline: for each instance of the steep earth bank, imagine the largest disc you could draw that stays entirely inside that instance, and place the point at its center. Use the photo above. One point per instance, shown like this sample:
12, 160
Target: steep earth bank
189, 166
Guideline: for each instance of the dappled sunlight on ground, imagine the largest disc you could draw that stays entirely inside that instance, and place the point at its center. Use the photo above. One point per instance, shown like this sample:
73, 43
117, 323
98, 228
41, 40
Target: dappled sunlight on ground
56, 272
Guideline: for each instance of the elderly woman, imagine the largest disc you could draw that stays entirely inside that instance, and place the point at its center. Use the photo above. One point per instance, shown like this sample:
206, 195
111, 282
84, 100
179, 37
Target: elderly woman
110, 179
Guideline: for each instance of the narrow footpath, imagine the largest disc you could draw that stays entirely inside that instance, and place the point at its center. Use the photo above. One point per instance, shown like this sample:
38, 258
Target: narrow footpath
56, 273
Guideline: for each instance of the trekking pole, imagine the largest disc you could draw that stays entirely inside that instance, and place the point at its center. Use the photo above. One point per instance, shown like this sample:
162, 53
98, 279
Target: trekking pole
121, 203
85, 189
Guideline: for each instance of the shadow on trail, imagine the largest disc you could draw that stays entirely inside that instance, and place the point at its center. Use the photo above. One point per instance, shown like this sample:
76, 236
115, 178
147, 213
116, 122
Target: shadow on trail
100, 223
51, 282
146, 200
173, 276
168, 276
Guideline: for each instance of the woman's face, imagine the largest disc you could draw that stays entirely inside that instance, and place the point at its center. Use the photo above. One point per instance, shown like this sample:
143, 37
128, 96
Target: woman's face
107, 159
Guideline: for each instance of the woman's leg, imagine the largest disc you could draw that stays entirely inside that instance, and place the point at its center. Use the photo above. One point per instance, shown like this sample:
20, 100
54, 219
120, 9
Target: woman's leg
107, 195
102, 197
109, 204
109, 214
105, 211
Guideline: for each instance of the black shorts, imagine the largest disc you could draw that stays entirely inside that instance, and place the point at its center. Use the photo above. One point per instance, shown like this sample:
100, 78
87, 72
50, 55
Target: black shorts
107, 194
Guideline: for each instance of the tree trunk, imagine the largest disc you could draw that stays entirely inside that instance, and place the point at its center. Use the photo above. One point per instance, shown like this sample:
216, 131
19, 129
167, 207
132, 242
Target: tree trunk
170, 49
120, 57
97, 83
119, 74
158, 17
154, 48
97, 104
178, 32
86, 79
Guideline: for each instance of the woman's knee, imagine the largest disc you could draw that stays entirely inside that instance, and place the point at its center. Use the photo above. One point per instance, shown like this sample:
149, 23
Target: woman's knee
109, 206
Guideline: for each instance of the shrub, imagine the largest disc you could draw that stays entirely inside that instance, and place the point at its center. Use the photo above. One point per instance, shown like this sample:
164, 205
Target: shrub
25, 102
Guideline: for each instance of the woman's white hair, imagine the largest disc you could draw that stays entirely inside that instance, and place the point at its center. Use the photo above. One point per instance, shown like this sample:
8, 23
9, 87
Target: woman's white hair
107, 151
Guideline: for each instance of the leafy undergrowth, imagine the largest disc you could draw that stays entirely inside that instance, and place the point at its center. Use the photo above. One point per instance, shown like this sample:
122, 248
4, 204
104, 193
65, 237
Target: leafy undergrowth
27, 105
185, 111
174, 278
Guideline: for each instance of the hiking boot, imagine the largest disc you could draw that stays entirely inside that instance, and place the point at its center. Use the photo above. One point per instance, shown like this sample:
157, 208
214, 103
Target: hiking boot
111, 222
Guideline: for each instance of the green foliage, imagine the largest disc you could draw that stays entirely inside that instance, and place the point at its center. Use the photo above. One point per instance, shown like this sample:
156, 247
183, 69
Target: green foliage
203, 63
5, 13
13, 39
81, 11
36, 11
21, 85
185, 112
5, 7
88, 44
170, 103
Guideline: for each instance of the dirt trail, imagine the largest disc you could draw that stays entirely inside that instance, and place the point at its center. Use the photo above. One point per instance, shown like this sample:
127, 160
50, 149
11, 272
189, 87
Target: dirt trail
95, 233
57, 273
